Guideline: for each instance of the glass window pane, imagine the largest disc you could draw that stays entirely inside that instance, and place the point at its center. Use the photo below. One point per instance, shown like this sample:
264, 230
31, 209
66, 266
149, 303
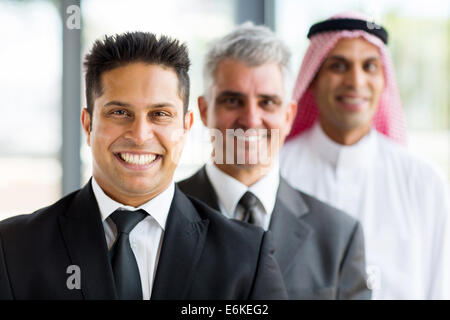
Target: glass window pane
30, 77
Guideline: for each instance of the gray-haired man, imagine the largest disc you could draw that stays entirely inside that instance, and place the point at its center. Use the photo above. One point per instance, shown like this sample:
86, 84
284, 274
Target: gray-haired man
320, 250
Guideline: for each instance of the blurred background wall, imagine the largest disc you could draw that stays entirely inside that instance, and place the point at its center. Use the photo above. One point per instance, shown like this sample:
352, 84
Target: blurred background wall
43, 154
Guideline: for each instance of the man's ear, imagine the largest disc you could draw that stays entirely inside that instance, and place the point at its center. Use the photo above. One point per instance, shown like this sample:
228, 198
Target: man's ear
203, 109
86, 124
188, 120
291, 112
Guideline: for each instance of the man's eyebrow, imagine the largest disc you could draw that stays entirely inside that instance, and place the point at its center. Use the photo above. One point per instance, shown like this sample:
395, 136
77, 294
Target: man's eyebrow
162, 105
128, 105
337, 57
117, 103
270, 96
229, 93
373, 58
342, 58
236, 94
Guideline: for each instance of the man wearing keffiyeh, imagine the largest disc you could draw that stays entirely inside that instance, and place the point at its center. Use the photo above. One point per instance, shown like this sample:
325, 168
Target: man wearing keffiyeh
346, 147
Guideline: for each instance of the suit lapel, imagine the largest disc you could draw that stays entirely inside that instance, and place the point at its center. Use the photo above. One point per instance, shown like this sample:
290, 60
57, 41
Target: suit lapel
84, 236
289, 232
200, 187
183, 243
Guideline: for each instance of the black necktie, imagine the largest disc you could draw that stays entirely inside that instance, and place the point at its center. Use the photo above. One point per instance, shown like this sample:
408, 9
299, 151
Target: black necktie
125, 269
248, 202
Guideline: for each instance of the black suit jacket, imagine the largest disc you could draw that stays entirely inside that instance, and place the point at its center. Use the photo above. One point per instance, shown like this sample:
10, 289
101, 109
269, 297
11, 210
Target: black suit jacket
203, 255
320, 249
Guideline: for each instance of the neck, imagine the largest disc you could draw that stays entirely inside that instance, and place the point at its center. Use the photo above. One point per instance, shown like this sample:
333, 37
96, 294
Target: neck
129, 199
343, 136
246, 174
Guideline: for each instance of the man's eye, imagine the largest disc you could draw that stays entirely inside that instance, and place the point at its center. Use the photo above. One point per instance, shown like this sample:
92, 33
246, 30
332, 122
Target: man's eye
371, 67
120, 113
160, 114
231, 101
267, 102
338, 66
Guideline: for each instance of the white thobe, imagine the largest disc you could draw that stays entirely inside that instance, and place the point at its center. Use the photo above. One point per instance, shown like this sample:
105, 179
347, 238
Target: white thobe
401, 201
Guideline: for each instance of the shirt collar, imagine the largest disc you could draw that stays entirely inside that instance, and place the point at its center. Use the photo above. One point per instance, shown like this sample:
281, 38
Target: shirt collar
265, 189
158, 207
360, 154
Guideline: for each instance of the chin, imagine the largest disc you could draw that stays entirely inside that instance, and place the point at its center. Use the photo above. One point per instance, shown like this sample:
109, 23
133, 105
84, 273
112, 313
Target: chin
246, 166
140, 186
254, 164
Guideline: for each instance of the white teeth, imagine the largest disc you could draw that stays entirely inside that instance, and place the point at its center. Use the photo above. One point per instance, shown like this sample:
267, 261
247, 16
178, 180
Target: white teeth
142, 159
352, 100
249, 138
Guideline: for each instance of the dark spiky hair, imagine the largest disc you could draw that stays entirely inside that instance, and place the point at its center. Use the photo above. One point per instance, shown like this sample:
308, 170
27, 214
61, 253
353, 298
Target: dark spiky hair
130, 47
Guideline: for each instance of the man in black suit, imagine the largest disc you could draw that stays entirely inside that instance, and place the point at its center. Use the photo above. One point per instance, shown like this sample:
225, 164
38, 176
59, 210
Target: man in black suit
320, 250
130, 233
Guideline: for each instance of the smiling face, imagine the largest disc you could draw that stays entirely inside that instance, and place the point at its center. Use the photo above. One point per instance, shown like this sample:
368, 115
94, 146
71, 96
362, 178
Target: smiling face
250, 99
138, 132
348, 88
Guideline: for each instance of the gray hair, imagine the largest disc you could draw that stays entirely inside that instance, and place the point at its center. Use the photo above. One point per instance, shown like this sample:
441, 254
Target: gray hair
250, 44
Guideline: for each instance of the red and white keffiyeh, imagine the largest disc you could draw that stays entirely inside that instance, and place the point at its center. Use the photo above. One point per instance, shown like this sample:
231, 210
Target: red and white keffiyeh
389, 118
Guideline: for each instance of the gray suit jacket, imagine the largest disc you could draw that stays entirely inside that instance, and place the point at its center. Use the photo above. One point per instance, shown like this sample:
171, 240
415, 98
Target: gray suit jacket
320, 249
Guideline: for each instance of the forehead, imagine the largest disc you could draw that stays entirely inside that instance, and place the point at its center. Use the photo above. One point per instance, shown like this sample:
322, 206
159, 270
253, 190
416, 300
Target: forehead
137, 81
355, 49
235, 75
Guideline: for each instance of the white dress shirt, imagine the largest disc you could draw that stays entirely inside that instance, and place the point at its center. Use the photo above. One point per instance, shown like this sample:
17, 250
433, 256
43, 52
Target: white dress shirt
401, 201
229, 191
146, 237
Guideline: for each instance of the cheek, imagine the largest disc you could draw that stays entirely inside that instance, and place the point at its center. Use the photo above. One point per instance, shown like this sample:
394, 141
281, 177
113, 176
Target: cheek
381, 84
171, 139
275, 120
277, 124
223, 119
324, 89
104, 135
334, 82
378, 87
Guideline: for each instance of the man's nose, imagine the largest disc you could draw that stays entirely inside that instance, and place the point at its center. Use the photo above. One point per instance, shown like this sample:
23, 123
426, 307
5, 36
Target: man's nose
141, 130
355, 77
250, 116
